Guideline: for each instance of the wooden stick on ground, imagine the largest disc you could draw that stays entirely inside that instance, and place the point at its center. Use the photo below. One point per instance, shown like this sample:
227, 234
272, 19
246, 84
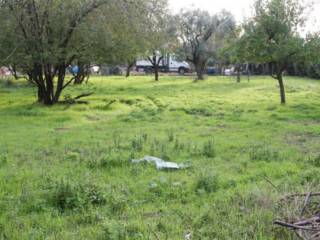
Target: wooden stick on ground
308, 221
301, 195
306, 203
292, 226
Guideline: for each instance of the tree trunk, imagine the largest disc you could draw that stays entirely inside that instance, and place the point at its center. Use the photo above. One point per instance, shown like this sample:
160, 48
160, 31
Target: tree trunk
199, 70
43, 76
155, 63
156, 72
13, 71
60, 85
248, 72
128, 71
129, 67
83, 74
200, 75
282, 88
40, 95
238, 69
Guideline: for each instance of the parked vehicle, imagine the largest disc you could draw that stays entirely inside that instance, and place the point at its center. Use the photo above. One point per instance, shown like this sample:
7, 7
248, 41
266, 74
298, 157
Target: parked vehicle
168, 64
211, 71
228, 72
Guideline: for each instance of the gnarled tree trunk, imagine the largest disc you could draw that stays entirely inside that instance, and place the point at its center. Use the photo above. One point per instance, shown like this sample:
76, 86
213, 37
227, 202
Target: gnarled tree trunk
200, 67
155, 64
238, 70
199, 71
83, 74
43, 76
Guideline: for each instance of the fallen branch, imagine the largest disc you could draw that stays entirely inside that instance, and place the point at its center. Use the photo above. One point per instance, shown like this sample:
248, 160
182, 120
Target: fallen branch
296, 227
271, 183
315, 236
308, 221
83, 95
110, 103
306, 203
75, 100
300, 195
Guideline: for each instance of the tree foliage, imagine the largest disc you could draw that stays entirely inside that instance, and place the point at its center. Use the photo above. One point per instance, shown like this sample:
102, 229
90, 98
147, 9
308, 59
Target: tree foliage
43, 38
159, 32
202, 35
272, 36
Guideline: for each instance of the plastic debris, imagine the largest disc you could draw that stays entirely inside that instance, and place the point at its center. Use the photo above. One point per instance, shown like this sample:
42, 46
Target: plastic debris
188, 236
161, 164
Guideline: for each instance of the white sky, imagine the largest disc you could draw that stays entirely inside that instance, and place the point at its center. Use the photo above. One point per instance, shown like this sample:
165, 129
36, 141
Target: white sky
240, 8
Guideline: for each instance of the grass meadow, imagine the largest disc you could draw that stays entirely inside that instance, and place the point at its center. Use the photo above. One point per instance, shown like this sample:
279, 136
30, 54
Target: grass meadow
66, 171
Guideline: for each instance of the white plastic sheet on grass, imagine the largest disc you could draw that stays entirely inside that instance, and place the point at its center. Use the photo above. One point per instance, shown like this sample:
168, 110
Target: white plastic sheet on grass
161, 164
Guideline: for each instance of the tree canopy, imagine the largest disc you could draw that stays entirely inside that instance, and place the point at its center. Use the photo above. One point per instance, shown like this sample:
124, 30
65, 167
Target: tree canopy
272, 36
44, 37
202, 35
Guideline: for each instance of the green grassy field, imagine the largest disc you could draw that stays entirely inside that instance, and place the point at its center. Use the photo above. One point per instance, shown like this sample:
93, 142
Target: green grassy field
65, 171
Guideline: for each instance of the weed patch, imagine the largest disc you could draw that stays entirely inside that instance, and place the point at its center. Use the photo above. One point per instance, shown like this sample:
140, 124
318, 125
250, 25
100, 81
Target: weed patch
66, 195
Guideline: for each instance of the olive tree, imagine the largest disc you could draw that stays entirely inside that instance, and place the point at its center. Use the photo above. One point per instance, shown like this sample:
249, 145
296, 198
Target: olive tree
44, 35
123, 33
272, 36
202, 35
160, 35
43, 31
312, 63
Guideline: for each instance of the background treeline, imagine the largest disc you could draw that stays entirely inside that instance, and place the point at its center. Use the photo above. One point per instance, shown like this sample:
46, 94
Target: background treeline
40, 40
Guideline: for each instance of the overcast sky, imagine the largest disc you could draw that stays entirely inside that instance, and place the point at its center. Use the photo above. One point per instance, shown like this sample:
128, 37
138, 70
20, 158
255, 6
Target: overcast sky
240, 8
